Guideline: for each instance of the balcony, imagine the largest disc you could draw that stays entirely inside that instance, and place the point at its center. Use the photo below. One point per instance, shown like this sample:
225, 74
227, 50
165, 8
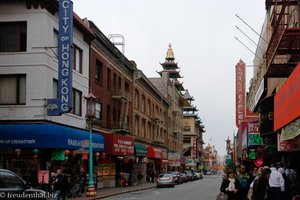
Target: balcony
122, 95
119, 126
283, 52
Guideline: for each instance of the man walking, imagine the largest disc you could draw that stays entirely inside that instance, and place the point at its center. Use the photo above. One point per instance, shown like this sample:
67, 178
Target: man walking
245, 181
276, 183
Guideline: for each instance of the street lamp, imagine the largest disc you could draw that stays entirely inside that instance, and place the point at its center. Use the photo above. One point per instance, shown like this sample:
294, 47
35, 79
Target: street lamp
90, 115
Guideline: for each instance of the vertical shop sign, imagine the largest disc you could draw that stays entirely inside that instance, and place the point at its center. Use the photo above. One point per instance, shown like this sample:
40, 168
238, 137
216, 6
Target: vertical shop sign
63, 103
240, 92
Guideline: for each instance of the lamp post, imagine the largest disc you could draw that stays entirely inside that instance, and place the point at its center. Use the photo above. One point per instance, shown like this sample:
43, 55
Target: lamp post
90, 102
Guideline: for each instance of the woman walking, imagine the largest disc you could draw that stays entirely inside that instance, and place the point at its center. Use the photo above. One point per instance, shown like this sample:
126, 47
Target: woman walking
231, 186
261, 185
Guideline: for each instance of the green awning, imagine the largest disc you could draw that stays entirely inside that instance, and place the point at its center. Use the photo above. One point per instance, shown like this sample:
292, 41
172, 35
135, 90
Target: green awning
140, 150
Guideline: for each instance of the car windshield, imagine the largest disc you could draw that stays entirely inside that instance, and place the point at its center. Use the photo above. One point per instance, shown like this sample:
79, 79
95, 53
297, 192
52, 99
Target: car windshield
165, 175
9, 180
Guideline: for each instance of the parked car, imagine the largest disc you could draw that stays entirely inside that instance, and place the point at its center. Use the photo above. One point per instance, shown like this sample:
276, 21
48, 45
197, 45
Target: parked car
165, 180
177, 177
199, 175
190, 176
14, 187
184, 177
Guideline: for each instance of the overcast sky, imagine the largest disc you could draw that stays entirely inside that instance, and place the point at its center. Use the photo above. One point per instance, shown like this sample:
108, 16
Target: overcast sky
202, 37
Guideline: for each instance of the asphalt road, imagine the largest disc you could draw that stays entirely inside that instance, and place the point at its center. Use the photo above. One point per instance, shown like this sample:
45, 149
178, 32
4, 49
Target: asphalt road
204, 189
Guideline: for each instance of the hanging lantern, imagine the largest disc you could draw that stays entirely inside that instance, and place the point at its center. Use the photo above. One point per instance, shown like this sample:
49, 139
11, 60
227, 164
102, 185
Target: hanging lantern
103, 154
74, 153
67, 152
35, 151
18, 151
97, 154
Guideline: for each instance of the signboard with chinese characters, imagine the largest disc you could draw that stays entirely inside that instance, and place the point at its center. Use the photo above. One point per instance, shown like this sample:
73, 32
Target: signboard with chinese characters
254, 137
240, 71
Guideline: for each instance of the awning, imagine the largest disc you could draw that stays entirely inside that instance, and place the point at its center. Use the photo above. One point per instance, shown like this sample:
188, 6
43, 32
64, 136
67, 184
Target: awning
291, 130
46, 136
140, 150
154, 153
164, 162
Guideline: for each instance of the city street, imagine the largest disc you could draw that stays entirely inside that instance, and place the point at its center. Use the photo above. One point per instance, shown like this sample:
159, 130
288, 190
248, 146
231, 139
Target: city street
204, 189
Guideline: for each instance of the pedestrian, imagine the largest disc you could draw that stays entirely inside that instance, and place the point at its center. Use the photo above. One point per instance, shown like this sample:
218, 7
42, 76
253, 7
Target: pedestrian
51, 182
255, 174
152, 176
231, 186
82, 177
261, 186
59, 186
245, 181
276, 182
33, 180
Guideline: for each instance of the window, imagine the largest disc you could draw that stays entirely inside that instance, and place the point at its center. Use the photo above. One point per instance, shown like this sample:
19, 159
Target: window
12, 89
143, 103
55, 83
108, 79
77, 96
99, 71
13, 36
143, 128
149, 107
136, 99
186, 128
77, 59
98, 113
55, 43
136, 126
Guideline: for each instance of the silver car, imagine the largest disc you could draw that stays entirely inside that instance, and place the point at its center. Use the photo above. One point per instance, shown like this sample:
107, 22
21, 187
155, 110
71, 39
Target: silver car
165, 180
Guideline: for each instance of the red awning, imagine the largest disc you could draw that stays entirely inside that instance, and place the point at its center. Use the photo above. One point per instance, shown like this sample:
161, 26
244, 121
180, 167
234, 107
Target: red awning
119, 145
154, 153
164, 162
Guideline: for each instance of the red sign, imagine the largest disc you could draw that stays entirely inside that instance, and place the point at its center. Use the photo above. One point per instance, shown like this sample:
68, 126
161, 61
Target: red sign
288, 145
194, 148
43, 176
287, 101
118, 145
240, 71
154, 153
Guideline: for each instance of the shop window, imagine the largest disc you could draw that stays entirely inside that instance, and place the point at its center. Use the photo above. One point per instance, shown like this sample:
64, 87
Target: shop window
12, 89
13, 36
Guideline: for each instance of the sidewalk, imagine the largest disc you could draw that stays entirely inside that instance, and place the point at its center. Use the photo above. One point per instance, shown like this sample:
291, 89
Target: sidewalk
107, 192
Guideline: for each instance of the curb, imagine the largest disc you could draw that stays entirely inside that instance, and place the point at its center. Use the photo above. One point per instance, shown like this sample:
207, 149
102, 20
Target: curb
119, 192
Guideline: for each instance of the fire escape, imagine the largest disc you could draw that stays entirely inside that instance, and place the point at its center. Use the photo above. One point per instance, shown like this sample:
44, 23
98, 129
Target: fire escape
122, 97
283, 52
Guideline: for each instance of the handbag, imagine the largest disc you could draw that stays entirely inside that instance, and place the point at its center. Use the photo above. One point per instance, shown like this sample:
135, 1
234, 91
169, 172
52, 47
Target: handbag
222, 196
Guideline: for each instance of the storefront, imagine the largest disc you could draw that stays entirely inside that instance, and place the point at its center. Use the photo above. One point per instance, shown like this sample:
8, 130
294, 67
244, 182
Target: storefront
119, 151
43, 146
174, 161
287, 121
139, 168
154, 157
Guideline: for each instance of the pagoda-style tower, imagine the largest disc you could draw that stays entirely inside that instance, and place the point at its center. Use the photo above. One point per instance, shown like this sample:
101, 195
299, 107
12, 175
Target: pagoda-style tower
171, 67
